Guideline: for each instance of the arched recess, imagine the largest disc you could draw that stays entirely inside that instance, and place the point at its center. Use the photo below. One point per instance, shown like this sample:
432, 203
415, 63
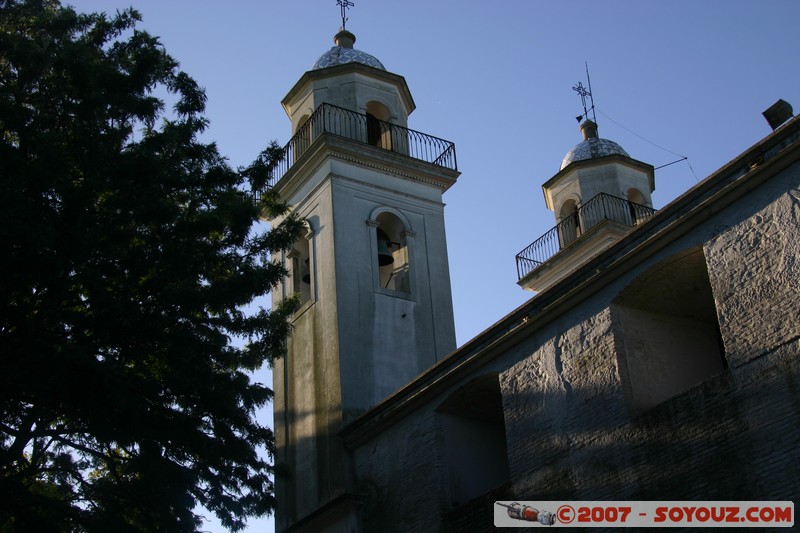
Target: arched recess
569, 226
391, 252
302, 136
474, 444
301, 266
379, 131
667, 331
636, 196
637, 199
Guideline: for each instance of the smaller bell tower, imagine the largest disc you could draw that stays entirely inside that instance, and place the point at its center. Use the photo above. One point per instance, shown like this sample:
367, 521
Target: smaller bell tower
597, 196
597, 166
371, 271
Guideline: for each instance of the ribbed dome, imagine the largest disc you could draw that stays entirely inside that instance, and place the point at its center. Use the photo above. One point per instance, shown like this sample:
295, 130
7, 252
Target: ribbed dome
344, 52
592, 146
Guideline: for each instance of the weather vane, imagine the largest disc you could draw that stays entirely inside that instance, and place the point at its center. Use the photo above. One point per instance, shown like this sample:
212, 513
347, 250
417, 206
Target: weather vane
344, 5
585, 92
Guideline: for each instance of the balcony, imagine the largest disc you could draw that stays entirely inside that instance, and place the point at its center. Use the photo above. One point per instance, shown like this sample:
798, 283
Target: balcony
333, 120
601, 208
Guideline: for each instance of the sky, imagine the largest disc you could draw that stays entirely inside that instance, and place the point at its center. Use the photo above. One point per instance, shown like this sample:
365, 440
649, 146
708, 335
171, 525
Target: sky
669, 79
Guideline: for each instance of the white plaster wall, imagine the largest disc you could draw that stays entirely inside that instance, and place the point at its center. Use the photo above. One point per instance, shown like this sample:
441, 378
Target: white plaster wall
587, 182
351, 90
387, 338
307, 383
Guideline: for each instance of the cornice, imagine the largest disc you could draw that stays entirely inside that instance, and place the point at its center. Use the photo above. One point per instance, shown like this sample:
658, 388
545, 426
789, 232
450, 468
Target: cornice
366, 156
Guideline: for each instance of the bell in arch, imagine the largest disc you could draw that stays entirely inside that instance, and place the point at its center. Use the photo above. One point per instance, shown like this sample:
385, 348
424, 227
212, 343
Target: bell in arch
385, 257
306, 277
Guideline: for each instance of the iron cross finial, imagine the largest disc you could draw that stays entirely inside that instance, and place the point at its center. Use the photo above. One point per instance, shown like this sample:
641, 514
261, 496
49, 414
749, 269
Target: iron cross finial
584, 93
344, 5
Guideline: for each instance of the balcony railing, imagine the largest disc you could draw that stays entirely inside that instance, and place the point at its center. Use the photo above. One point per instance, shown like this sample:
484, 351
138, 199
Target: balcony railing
601, 207
365, 129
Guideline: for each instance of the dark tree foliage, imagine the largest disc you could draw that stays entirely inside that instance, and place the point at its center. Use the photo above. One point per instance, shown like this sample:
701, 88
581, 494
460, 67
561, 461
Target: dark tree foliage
128, 254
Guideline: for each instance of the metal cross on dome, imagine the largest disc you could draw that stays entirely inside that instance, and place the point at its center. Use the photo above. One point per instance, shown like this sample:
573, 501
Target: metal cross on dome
584, 93
344, 5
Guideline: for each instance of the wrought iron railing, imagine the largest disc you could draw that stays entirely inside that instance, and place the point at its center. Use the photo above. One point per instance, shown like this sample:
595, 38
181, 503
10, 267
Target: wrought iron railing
601, 207
366, 129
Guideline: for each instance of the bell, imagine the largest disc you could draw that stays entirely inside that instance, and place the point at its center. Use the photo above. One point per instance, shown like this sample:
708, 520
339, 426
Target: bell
385, 257
306, 274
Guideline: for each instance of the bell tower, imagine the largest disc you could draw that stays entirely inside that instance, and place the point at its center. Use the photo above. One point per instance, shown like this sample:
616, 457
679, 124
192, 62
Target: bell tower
599, 194
371, 271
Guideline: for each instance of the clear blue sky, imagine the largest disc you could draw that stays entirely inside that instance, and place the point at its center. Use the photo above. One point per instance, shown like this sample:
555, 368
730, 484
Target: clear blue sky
495, 77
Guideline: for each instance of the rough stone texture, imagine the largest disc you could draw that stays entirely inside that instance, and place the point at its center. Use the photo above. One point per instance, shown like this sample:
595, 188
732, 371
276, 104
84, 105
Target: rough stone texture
560, 401
734, 436
569, 382
726, 439
755, 272
404, 499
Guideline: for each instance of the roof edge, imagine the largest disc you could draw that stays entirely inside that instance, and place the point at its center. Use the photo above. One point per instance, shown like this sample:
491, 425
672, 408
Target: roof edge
752, 167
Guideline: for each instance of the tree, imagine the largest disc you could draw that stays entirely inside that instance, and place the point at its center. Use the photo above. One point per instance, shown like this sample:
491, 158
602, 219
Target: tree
128, 256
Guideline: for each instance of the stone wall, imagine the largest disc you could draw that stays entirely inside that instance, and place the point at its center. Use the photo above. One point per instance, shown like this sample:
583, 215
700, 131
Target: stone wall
573, 431
734, 436
570, 383
755, 271
399, 476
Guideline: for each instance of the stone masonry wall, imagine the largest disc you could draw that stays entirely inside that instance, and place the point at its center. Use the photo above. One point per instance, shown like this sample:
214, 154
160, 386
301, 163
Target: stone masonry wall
755, 274
735, 436
570, 432
399, 475
570, 383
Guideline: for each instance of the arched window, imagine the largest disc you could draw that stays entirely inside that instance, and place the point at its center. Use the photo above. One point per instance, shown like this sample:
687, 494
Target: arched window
569, 223
379, 132
302, 137
301, 268
392, 257
636, 201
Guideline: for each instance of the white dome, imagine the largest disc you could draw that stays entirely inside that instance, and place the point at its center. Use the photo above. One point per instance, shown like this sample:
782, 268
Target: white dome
592, 148
339, 55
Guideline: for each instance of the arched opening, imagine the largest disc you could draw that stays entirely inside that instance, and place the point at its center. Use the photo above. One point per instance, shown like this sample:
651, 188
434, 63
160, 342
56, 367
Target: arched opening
569, 227
474, 449
301, 269
636, 201
379, 132
302, 137
635, 196
667, 331
392, 253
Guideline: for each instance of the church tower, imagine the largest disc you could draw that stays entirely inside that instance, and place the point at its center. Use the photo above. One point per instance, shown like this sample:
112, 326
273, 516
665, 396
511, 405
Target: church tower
371, 271
597, 196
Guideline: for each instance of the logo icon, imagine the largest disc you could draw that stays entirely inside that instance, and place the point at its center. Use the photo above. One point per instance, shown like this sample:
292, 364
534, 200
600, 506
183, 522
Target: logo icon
518, 511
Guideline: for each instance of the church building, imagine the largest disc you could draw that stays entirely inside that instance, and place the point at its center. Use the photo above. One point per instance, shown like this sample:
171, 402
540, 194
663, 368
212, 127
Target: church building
657, 360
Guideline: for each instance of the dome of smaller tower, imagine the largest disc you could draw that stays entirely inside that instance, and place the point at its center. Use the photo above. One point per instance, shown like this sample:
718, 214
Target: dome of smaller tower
344, 52
592, 146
